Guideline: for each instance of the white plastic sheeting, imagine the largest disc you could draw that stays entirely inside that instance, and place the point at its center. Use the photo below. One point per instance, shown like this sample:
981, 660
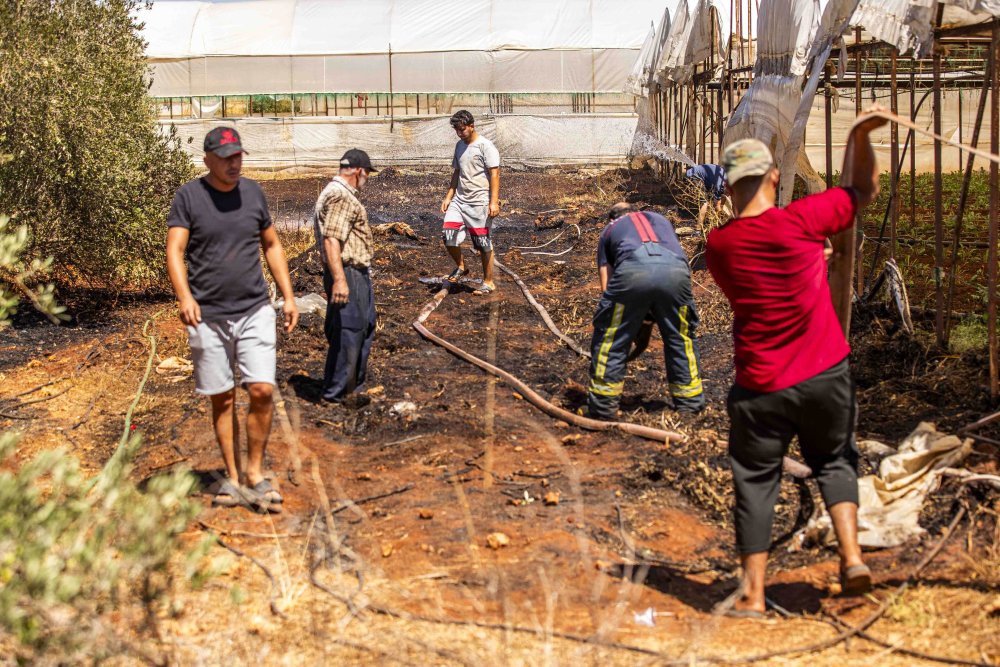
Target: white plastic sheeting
683, 39
794, 39
908, 24
776, 107
693, 29
275, 143
206, 47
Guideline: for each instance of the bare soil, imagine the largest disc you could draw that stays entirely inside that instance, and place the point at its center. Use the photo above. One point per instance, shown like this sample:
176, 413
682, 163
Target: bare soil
445, 456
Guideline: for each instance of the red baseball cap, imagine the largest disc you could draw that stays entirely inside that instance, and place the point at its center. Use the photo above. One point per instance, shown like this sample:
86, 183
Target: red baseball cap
223, 141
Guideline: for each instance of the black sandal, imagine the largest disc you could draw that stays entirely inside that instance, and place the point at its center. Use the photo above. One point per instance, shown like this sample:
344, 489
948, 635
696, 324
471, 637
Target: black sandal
456, 275
228, 494
265, 497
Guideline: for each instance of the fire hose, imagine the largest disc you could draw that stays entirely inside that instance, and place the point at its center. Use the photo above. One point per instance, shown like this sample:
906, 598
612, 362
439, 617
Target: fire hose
790, 466
530, 394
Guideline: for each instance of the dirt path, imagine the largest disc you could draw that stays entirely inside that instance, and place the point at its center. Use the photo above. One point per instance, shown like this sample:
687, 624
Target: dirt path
600, 527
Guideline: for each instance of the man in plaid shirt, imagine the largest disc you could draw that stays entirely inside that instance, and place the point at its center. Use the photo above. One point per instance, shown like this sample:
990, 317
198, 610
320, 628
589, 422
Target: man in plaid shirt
345, 241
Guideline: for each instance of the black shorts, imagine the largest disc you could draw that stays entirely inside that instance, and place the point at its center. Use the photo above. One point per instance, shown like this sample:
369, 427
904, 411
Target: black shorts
822, 412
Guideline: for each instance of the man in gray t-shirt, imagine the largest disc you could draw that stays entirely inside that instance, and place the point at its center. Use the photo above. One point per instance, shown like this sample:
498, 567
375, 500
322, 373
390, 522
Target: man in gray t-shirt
473, 199
219, 223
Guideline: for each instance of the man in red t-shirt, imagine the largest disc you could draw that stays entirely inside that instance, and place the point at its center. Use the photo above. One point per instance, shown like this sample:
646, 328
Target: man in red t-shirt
792, 377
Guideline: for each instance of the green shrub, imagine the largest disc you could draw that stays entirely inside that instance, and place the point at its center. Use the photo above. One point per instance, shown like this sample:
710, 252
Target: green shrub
16, 277
969, 335
86, 168
73, 549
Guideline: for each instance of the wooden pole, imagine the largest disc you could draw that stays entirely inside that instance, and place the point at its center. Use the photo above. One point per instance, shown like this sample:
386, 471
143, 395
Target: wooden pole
734, 20
938, 192
726, 78
994, 211
964, 194
894, 164
702, 152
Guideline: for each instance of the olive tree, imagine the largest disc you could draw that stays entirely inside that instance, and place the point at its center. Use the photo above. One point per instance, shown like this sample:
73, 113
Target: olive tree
84, 165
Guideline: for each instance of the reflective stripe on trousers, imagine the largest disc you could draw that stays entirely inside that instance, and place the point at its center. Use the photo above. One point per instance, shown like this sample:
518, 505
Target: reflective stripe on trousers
659, 285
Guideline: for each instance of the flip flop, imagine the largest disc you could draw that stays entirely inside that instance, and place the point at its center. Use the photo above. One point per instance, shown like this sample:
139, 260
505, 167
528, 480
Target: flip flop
855, 580
456, 275
484, 289
265, 497
228, 494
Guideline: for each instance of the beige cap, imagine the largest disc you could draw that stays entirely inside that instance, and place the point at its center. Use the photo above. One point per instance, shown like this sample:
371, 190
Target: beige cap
746, 157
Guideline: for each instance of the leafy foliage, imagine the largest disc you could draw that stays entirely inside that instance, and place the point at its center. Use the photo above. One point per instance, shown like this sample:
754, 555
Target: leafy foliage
15, 276
75, 548
85, 168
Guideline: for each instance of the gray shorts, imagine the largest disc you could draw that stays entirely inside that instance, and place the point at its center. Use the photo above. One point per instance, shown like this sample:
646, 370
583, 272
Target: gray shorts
248, 343
472, 218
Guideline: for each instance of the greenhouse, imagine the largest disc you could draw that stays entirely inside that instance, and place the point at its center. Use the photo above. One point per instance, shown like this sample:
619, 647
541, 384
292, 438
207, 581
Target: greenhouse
305, 78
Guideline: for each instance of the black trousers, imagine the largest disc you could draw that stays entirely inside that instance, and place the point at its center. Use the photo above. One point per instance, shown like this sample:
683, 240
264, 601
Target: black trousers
350, 331
822, 412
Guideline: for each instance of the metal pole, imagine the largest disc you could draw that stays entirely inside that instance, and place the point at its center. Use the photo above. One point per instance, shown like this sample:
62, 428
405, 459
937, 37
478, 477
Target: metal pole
392, 106
960, 138
938, 191
994, 212
913, 144
859, 262
828, 117
894, 164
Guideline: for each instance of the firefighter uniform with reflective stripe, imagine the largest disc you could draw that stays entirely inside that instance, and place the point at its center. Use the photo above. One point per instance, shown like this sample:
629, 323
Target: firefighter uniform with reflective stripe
649, 276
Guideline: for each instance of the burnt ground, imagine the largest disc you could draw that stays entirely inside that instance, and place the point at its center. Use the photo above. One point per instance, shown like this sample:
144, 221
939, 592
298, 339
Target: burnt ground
445, 456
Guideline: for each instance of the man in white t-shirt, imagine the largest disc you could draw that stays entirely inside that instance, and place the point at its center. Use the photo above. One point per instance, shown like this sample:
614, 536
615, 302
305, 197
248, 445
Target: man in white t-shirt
473, 199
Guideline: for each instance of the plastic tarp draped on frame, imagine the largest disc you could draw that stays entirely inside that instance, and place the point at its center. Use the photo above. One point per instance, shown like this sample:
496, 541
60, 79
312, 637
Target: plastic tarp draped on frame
908, 24
690, 39
205, 47
683, 39
791, 36
780, 91
523, 140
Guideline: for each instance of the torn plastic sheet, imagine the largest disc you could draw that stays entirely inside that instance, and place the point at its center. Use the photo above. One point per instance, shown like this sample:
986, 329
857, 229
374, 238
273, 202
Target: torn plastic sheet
692, 34
908, 24
890, 502
792, 37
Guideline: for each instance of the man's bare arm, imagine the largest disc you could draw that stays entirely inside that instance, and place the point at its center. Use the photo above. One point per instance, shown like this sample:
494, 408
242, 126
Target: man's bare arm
605, 274
177, 241
860, 169
452, 189
341, 292
274, 253
494, 192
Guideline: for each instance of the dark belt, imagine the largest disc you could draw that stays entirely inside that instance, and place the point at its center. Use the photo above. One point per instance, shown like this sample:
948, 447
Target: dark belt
357, 267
